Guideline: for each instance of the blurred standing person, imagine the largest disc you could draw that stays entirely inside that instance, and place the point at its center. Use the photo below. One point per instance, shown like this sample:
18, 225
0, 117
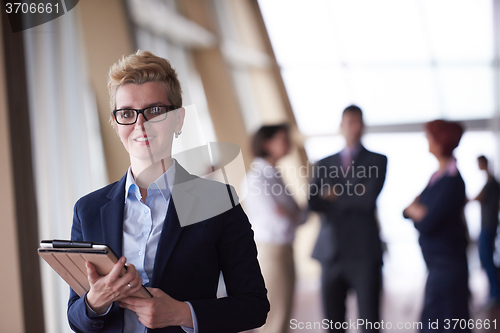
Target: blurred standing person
344, 191
274, 216
489, 198
438, 214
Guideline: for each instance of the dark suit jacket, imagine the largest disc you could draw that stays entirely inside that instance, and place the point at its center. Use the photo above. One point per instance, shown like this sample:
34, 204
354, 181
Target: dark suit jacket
188, 259
349, 230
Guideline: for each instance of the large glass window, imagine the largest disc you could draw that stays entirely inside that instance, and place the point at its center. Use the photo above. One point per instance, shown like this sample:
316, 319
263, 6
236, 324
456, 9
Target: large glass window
401, 61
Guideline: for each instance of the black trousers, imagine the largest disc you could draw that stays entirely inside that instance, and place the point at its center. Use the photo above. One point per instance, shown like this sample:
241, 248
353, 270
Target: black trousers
365, 279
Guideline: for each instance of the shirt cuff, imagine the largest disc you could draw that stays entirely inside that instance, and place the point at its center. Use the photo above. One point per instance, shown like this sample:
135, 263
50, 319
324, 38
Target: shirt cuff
92, 314
195, 321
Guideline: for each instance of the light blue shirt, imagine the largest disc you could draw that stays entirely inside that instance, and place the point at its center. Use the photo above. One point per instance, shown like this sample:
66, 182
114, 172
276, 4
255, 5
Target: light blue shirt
142, 227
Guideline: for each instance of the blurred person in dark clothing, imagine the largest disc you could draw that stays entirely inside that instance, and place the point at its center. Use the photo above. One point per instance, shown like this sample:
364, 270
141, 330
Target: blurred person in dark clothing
344, 191
489, 198
438, 214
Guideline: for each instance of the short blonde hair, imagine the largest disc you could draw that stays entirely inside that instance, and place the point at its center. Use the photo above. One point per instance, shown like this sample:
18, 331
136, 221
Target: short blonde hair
142, 67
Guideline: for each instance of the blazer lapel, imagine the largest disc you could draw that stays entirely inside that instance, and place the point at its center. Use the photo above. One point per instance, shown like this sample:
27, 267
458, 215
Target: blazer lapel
169, 236
171, 228
361, 155
337, 160
112, 217
358, 164
342, 173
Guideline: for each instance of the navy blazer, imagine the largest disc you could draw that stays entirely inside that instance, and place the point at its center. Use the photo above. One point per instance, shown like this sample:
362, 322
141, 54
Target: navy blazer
349, 228
443, 231
188, 260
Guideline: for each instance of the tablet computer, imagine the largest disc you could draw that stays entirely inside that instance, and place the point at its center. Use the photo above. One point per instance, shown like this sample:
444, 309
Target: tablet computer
68, 259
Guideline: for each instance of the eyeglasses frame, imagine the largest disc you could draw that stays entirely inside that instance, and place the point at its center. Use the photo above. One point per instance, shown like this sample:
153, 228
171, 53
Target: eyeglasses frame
141, 111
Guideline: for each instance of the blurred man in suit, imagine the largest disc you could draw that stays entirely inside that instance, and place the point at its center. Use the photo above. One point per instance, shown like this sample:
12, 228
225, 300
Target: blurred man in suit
489, 198
344, 191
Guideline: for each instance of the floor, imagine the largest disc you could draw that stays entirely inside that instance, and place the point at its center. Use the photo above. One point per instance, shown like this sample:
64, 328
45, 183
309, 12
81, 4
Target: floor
401, 301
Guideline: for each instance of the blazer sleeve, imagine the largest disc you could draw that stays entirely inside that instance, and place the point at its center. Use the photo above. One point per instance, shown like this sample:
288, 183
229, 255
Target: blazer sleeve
246, 305
443, 205
78, 319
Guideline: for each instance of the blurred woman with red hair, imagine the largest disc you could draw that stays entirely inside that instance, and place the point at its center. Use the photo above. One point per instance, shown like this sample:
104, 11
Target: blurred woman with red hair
438, 215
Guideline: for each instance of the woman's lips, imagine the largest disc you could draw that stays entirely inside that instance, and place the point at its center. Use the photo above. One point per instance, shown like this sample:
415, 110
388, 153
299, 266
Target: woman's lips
144, 139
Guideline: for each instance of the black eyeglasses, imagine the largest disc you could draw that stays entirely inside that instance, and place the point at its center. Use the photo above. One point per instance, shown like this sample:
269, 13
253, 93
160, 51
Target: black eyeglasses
152, 114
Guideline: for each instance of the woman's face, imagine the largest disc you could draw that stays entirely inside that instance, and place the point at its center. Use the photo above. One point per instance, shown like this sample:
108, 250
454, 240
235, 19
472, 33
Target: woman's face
434, 147
279, 145
147, 141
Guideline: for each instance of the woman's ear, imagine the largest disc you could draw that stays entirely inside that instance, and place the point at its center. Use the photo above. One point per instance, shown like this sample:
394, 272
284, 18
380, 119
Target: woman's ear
180, 113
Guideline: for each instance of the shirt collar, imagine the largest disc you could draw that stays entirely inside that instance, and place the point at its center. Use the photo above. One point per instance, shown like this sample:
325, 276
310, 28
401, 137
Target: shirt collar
352, 152
265, 168
450, 170
260, 161
164, 183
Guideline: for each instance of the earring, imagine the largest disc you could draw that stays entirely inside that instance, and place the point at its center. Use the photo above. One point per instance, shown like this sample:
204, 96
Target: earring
177, 134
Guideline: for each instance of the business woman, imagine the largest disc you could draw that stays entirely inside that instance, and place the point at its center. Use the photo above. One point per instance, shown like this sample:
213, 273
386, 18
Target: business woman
274, 216
179, 259
438, 215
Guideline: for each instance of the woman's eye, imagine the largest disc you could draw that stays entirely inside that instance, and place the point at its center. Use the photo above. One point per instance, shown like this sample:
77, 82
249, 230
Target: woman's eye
127, 113
156, 110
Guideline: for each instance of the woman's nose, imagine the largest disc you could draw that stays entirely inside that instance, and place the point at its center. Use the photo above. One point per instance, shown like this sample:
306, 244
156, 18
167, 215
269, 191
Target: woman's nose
140, 120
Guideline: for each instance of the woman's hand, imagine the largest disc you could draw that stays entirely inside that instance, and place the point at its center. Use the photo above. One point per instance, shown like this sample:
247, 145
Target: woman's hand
159, 311
416, 211
104, 290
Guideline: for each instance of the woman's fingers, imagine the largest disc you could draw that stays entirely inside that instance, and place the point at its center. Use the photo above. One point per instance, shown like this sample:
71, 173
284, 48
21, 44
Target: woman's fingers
117, 284
136, 280
117, 269
91, 273
131, 281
